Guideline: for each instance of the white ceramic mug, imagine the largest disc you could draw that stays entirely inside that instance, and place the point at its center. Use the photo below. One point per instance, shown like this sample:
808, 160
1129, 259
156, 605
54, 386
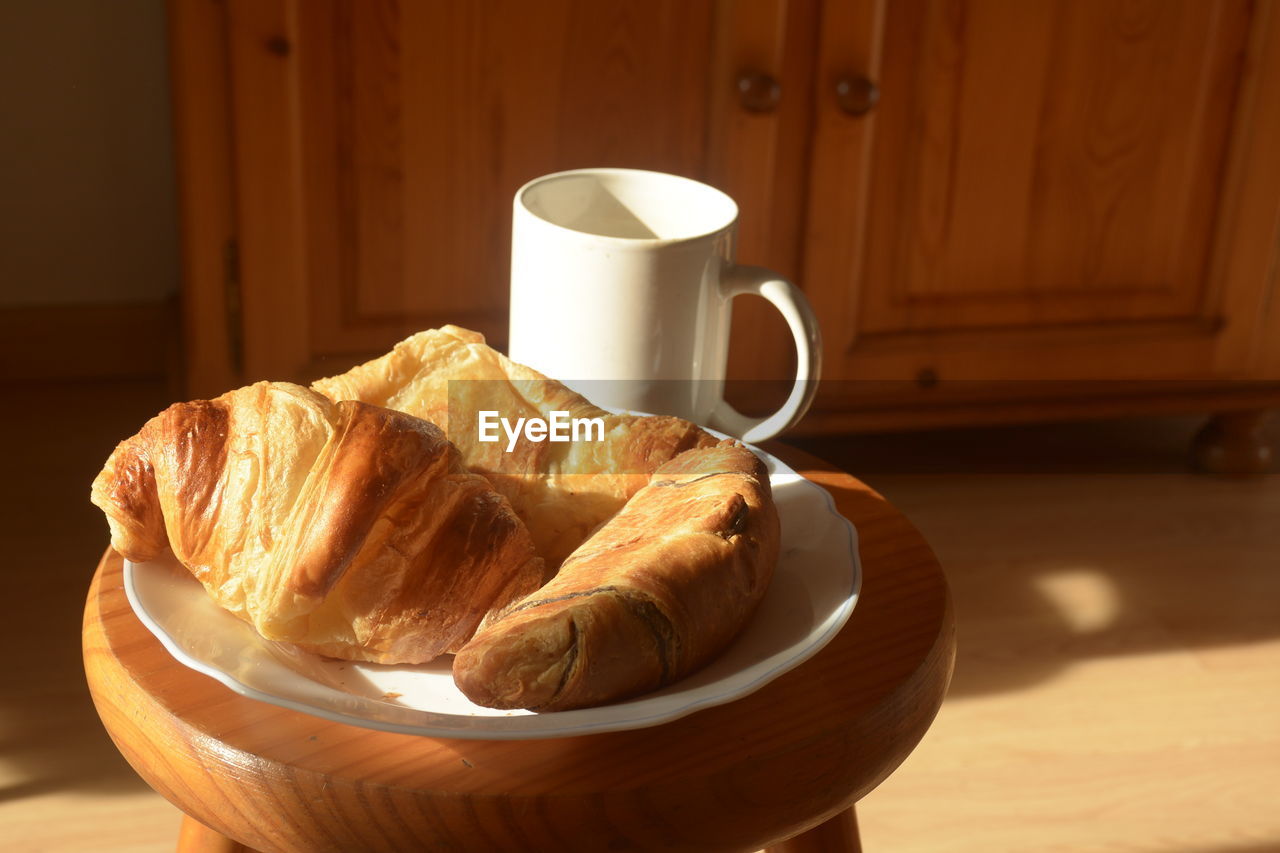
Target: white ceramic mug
621, 286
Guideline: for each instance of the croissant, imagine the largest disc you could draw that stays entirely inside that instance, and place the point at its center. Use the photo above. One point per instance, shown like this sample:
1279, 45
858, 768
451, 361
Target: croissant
658, 592
562, 491
347, 529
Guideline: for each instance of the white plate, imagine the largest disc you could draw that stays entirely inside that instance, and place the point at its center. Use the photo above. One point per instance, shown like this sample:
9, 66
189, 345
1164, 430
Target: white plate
813, 591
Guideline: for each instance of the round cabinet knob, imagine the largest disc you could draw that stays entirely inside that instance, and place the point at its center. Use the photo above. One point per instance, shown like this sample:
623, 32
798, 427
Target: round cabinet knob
857, 96
758, 92
279, 45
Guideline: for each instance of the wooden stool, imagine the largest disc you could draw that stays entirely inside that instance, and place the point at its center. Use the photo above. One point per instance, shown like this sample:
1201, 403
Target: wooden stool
786, 762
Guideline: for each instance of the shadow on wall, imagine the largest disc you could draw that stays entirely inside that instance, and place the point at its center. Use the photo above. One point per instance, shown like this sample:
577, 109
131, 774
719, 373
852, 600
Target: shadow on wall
88, 214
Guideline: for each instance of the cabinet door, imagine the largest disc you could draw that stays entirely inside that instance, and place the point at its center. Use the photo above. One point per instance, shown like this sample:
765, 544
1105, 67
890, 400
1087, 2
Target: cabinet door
1067, 189
377, 146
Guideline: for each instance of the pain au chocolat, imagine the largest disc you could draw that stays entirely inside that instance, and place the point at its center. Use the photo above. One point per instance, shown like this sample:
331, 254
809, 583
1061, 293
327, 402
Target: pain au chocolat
563, 491
655, 594
345, 528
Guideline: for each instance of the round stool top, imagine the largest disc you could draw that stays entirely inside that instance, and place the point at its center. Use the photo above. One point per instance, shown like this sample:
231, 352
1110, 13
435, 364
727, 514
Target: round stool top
734, 777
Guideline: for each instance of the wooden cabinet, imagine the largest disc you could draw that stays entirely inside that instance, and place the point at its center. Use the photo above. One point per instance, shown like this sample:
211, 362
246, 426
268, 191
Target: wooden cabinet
1017, 211
374, 147
977, 195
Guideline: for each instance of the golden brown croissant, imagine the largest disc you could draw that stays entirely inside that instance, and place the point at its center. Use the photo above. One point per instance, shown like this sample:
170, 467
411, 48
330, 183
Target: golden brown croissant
562, 491
348, 529
658, 592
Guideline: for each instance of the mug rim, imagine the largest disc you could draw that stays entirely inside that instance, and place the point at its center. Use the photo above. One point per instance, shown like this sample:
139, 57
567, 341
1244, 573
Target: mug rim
521, 205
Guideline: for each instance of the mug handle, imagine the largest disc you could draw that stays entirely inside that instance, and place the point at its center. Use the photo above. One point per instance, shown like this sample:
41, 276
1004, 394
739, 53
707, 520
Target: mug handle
791, 301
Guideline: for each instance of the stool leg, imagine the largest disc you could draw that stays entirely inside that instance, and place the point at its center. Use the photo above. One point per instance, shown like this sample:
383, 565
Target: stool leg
195, 837
838, 834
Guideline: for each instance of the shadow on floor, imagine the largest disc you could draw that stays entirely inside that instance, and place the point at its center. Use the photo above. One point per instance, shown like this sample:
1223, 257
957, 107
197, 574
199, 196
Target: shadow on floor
1105, 547
59, 437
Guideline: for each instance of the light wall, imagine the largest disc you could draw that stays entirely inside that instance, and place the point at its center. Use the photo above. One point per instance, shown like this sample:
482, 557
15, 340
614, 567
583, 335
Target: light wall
87, 209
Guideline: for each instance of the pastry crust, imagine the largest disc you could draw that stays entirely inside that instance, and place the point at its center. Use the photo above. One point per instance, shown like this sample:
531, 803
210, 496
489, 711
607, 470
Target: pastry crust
658, 592
348, 529
563, 491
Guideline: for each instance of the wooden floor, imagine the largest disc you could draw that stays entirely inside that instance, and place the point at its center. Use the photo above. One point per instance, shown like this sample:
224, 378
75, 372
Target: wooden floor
1118, 682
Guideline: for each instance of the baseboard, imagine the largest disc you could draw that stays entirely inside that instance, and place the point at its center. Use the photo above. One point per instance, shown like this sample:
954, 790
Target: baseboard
110, 340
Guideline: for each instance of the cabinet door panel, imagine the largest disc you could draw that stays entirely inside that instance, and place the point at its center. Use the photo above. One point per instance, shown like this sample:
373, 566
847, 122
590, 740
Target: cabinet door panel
1036, 176
413, 123
1052, 161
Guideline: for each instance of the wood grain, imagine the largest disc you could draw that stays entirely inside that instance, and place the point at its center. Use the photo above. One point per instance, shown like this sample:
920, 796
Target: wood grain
1054, 190
202, 122
421, 120
269, 199
1247, 239
195, 837
837, 835
1052, 162
840, 177
739, 776
761, 160
1118, 647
